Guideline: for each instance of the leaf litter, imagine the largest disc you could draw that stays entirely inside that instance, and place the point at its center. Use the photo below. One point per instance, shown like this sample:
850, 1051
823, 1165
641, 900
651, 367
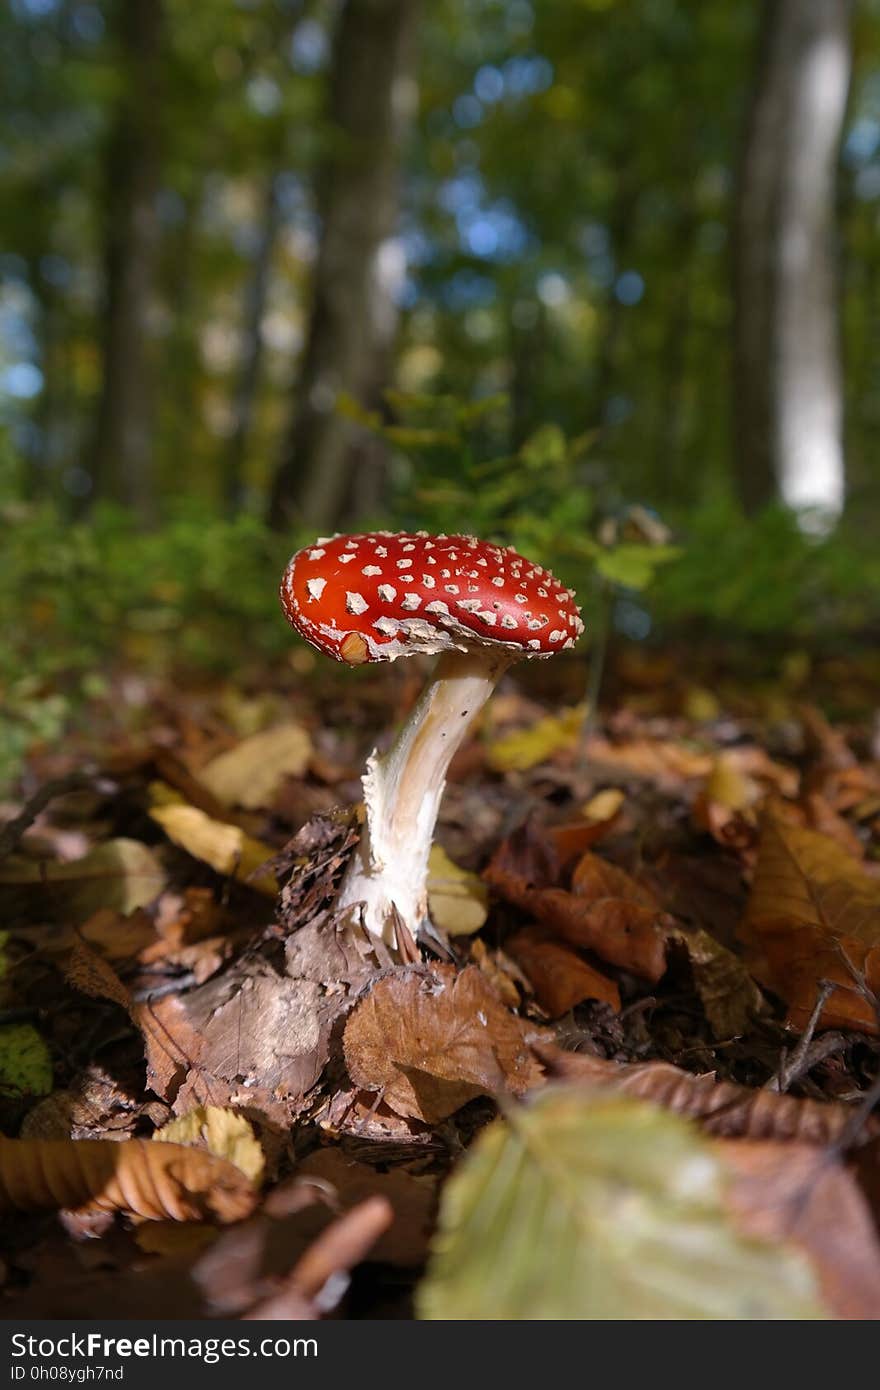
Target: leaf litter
654, 971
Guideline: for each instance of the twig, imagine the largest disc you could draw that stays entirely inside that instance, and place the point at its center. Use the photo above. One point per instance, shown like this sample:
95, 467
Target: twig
14, 829
792, 1067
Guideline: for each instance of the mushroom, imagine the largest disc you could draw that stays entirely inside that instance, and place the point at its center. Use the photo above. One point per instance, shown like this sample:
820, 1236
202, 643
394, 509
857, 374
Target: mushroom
381, 596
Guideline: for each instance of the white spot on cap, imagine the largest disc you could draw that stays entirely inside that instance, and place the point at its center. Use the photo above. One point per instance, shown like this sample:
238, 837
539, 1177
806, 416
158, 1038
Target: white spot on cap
429, 581
487, 617
388, 626
387, 593
346, 559
371, 569
431, 560
534, 644
438, 606
556, 635
316, 587
404, 564
316, 554
351, 545
542, 593
408, 548
483, 562
381, 551
356, 603
508, 621
411, 602
468, 605
451, 588
498, 581
521, 598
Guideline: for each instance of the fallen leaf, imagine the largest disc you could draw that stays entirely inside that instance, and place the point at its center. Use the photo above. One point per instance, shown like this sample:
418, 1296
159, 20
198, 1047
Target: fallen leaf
722, 1107
91, 974
526, 748
604, 805
431, 1040
142, 1179
225, 847
221, 1132
580, 1206
121, 875
559, 976
412, 1199
730, 998
457, 899
25, 1064
793, 1192
250, 774
606, 911
813, 914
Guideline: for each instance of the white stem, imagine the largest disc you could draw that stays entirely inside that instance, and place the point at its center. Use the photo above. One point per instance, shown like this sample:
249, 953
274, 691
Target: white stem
403, 790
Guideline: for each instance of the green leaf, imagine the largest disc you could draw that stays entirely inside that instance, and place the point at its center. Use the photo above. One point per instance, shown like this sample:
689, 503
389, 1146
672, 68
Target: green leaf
25, 1064
581, 1206
634, 566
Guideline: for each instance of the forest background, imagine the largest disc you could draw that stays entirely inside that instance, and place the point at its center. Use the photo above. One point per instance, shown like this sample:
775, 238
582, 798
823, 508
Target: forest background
600, 278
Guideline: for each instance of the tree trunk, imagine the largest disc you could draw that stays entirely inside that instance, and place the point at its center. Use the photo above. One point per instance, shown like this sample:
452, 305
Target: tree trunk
787, 376
122, 465
252, 351
354, 315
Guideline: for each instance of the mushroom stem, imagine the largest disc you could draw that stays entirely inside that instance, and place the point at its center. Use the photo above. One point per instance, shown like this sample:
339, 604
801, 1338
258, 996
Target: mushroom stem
403, 790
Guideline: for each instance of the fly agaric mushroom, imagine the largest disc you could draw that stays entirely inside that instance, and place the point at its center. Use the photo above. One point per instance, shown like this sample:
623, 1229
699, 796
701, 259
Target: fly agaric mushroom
381, 596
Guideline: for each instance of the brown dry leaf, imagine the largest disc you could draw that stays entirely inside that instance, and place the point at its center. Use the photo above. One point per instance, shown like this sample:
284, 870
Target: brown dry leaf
121, 875
559, 976
250, 774
432, 1040
606, 912
797, 1193
724, 1108
225, 847
814, 914
666, 762
153, 1182
93, 975
731, 1000
412, 1200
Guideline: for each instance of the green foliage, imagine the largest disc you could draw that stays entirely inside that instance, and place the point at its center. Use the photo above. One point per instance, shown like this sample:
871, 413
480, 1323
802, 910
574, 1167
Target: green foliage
79, 601
25, 1064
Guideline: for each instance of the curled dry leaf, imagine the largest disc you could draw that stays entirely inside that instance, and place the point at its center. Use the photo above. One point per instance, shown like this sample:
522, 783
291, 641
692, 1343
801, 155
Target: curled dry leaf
559, 976
91, 974
153, 1182
412, 1200
430, 1041
225, 847
605, 910
722, 1107
731, 1000
814, 914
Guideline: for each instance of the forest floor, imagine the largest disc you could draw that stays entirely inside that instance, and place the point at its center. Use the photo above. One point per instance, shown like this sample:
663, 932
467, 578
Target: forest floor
682, 905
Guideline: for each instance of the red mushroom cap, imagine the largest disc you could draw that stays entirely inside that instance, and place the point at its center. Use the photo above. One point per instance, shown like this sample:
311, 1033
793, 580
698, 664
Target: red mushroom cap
379, 596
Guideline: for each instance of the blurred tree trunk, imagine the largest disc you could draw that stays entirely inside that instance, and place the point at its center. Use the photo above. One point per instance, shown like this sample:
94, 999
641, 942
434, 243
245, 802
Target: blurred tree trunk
256, 292
122, 465
354, 315
787, 376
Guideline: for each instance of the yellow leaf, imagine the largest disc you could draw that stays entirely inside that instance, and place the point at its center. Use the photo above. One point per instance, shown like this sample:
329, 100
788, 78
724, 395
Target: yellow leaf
222, 1132
526, 748
700, 704
250, 774
458, 900
604, 805
728, 785
120, 874
225, 847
